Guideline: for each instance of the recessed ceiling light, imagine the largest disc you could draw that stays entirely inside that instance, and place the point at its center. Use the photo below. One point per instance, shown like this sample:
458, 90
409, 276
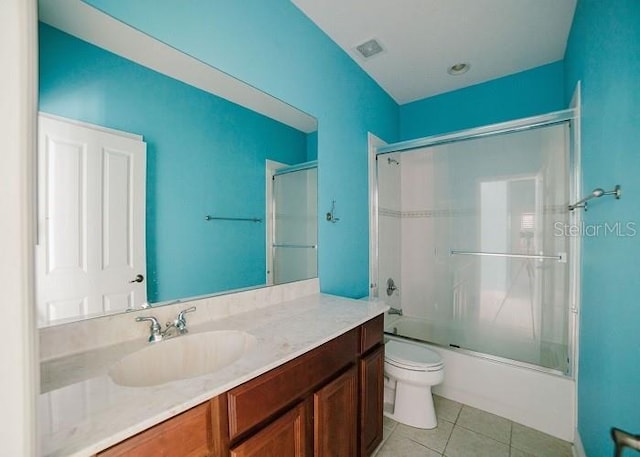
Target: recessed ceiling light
458, 69
369, 48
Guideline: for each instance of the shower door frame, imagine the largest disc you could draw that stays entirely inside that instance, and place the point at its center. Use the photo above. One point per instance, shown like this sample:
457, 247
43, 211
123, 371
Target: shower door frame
570, 116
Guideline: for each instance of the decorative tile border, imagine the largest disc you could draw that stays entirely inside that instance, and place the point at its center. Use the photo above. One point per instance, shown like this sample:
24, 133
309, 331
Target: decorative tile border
389, 212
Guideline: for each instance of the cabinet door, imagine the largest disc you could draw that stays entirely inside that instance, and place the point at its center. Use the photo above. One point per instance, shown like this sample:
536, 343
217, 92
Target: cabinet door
335, 417
283, 438
371, 400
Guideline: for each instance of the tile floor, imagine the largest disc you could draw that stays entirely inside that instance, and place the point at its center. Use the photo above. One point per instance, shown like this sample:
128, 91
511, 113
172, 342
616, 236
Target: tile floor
464, 431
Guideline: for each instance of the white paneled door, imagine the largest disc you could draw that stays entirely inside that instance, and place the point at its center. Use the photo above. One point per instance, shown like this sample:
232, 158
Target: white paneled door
90, 256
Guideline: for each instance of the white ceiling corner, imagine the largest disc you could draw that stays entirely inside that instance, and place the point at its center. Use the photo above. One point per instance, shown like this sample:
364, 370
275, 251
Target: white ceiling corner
422, 38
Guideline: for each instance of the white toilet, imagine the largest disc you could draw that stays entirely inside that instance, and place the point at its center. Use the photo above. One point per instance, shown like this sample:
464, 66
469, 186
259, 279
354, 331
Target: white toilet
411, 369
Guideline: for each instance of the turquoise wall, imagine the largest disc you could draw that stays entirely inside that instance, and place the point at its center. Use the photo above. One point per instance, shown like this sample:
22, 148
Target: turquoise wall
204, 155
273, 46
604, 53
528, 93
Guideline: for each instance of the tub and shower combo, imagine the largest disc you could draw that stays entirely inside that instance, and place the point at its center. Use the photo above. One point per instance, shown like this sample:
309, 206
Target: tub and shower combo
473, 251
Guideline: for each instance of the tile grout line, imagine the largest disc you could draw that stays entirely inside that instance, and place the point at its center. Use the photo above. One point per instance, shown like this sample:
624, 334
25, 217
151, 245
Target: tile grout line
511, 433
459, 413
424, 445
430, 448
510, 438
486, 436
455, 424
450, 434
455, 421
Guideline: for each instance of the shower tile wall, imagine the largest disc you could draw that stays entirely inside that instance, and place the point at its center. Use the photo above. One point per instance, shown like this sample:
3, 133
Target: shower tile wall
389, 198
416, 234
426, 226
418, 270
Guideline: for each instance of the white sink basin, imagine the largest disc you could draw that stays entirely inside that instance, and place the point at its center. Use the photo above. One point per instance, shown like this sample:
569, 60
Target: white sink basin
181, 357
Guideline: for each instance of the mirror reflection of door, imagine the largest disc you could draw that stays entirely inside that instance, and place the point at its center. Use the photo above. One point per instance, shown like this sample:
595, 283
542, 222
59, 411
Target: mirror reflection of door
90, 256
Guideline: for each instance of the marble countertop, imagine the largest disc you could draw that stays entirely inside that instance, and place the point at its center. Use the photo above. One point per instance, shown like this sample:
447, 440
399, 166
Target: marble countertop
82, 411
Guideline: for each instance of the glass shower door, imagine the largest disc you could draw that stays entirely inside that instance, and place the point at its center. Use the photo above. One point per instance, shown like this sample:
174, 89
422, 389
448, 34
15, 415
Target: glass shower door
481, 264
295, 225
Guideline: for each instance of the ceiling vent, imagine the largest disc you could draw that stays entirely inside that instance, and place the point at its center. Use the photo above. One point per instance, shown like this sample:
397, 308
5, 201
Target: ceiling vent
369, 48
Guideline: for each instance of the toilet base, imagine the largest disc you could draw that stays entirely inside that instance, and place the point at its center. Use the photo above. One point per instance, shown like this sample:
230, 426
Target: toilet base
413, 406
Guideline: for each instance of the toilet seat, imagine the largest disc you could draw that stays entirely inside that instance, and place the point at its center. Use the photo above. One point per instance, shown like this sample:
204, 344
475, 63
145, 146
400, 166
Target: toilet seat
412, 357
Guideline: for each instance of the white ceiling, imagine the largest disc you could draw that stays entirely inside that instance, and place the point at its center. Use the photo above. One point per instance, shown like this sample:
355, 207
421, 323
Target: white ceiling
422, 38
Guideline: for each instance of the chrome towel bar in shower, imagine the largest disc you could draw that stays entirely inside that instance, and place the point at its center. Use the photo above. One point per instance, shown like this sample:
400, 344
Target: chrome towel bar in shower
248, 219
300, 246
560, 257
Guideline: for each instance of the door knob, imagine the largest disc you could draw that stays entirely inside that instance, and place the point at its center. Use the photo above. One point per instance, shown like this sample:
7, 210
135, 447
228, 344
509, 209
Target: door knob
139, 278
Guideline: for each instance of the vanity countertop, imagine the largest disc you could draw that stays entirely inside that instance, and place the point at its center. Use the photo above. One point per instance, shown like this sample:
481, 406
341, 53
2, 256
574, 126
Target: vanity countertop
82, 411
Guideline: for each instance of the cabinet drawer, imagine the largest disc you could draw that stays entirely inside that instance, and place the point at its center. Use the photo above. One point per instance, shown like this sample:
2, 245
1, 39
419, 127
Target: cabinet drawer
187, 434
371, 333
258, 399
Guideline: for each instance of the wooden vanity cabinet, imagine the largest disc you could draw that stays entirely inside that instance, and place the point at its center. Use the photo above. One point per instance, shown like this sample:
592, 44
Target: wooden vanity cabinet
371, 386
325, 403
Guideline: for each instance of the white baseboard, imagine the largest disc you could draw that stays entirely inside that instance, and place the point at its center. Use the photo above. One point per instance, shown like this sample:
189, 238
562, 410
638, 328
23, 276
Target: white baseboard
578, 448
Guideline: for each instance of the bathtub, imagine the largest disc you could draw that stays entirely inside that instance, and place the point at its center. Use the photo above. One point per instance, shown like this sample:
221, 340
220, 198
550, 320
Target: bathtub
540, 400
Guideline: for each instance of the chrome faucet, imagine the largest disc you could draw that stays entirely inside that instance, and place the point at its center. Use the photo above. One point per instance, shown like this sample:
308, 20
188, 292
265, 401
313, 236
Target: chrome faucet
156, 332
393, 310
180, 324
155, 329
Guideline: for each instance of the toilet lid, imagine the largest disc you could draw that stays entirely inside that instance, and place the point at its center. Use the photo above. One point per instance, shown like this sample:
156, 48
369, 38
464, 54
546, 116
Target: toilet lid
411, 354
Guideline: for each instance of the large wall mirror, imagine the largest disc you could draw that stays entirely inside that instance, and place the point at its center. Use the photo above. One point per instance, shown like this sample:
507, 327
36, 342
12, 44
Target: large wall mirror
159, 177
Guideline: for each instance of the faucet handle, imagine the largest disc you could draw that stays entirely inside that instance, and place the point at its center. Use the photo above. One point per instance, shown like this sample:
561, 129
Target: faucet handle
155, 328
181, 321
185, 311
